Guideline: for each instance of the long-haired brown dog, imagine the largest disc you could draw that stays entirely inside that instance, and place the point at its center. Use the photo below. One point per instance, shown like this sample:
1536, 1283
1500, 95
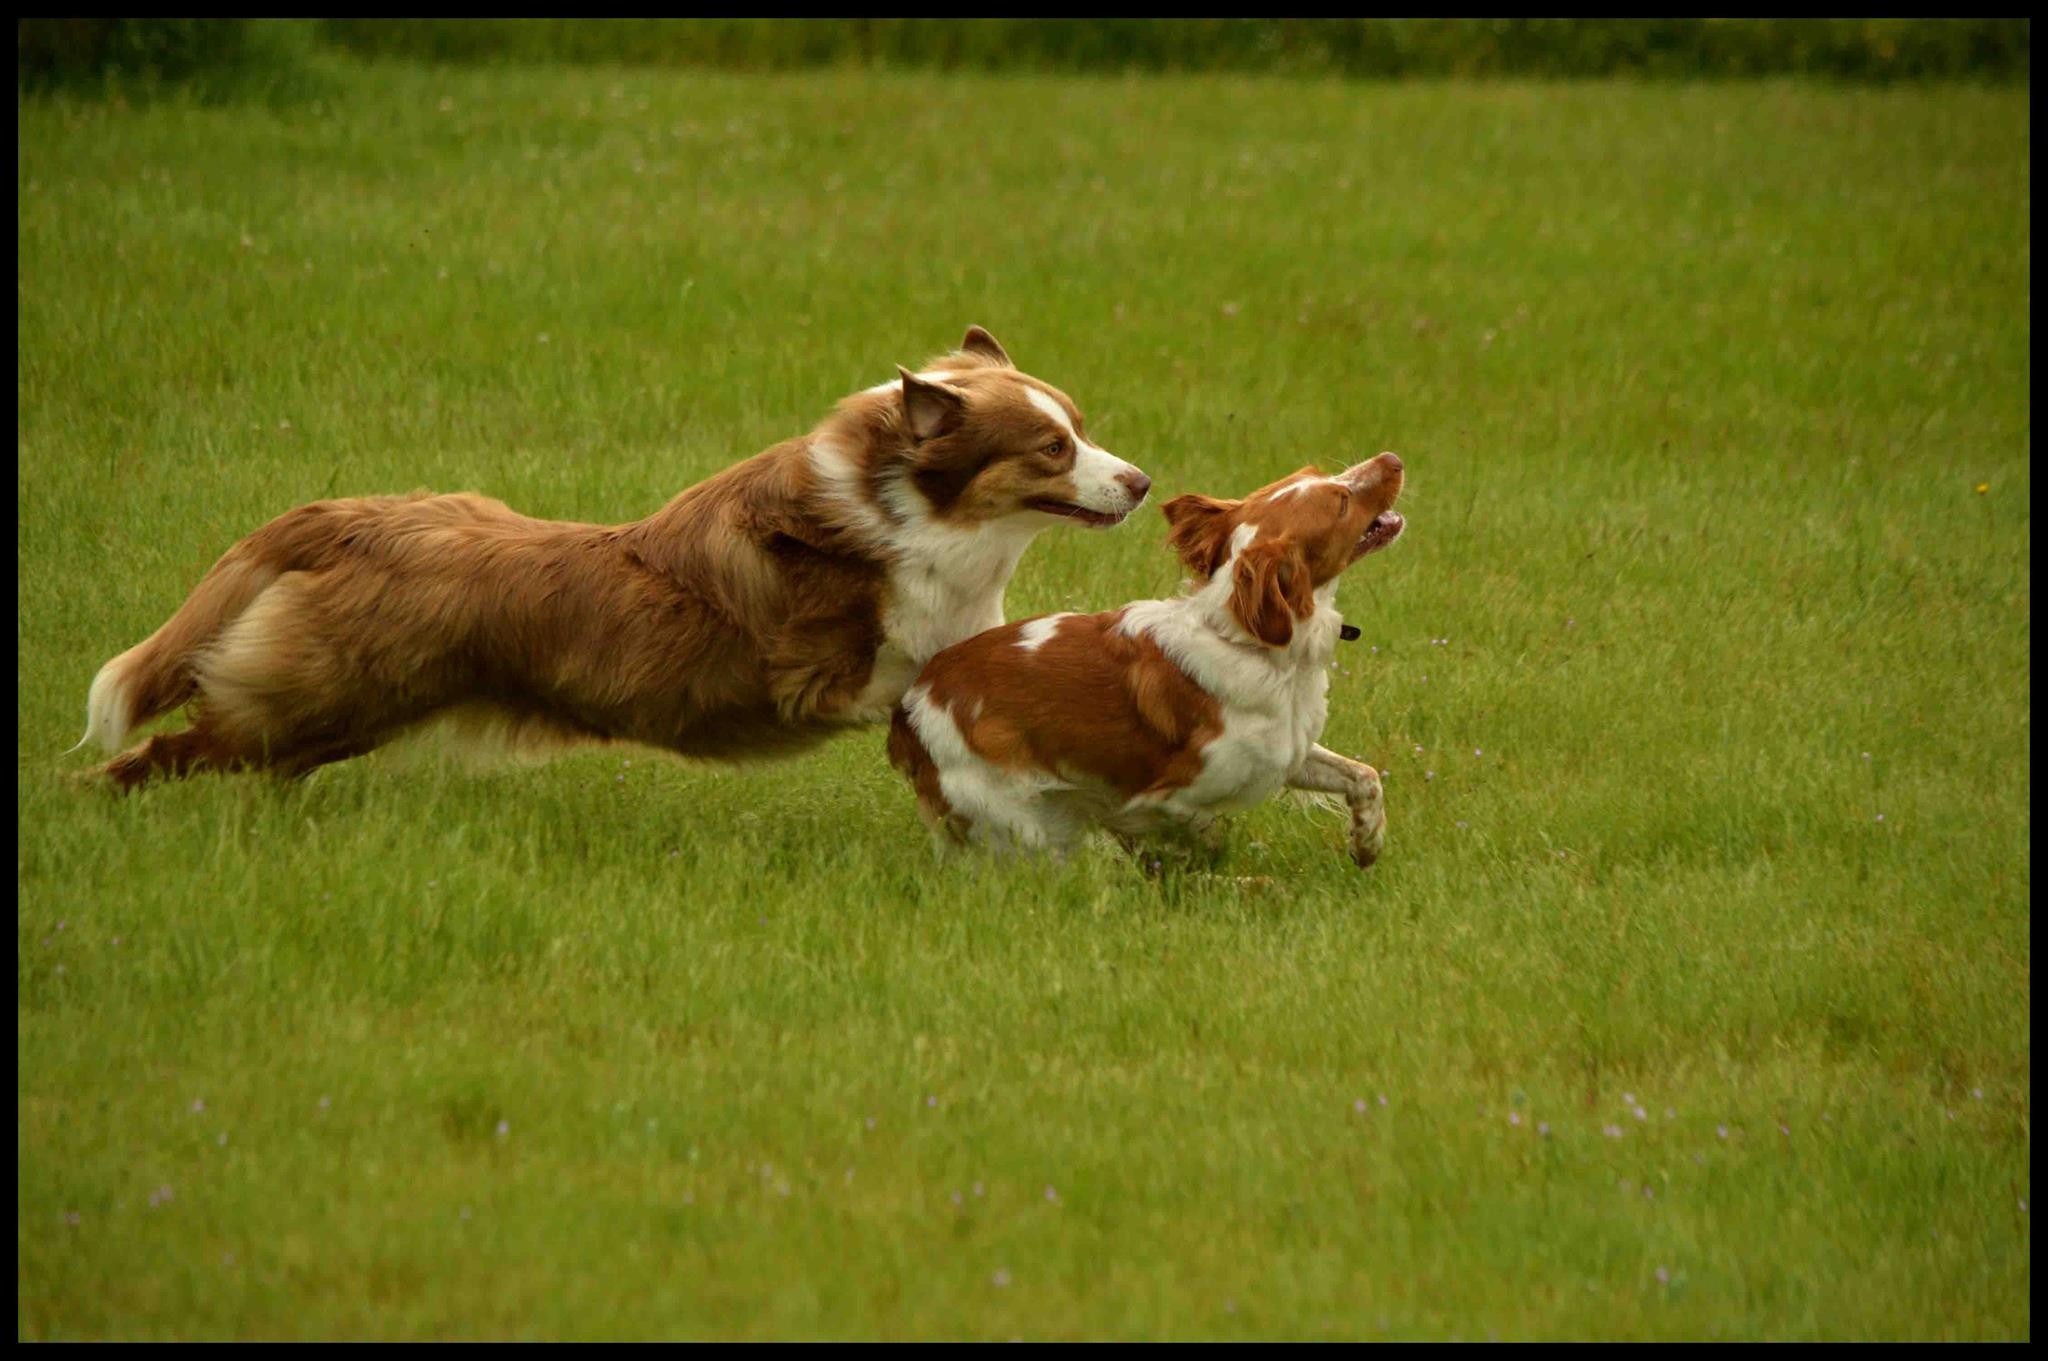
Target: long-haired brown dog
782, 600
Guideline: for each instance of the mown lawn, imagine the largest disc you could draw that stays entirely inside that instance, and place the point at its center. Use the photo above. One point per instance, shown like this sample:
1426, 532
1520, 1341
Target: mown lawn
1692, 998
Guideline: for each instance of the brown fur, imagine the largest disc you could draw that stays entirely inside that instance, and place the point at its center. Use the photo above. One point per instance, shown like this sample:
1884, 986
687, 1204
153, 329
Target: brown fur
1305, 538
1090, 703
1095, 706
739, 620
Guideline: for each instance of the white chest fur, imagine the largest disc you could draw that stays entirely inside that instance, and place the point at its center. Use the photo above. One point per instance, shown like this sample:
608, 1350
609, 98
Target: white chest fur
1275, 701
946, 585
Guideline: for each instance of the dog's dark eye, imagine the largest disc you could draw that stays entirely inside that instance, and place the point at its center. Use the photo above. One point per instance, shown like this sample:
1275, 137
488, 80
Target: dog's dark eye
1055, 449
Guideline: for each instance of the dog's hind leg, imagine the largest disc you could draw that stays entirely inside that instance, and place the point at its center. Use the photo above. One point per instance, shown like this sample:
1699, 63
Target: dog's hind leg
1323, 771
274, 693
172, 754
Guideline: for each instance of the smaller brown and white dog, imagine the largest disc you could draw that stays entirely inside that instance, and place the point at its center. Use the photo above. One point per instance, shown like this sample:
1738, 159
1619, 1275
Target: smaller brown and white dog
1165, 713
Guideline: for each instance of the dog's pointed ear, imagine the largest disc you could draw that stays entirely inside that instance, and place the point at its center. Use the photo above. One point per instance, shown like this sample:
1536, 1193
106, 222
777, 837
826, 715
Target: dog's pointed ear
1198, 527
930, 409
982, 343
1269, 590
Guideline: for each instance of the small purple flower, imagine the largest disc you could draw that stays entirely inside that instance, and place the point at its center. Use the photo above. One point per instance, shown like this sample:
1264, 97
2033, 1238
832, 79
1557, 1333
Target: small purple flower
1359, 1105
504, 1128
1663, 1276
1544, 1129
1461, 826
1628, 1098
977, 1188
1976, 1093
1418, 749
325, 1103
198, 1105
1641, 1114
959, 1199
1721, 1130
222, 1140
1477, 752
1611, 1131
1001, 1278
463, 1213
1785, 1130
1383, 1098
931, 1101
1514, 1117
871, 1122
1051, 1194
1880, 817
73, 1218
1648, 1194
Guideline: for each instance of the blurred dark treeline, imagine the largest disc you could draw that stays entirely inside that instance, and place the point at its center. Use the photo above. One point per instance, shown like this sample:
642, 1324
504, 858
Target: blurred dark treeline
223, 56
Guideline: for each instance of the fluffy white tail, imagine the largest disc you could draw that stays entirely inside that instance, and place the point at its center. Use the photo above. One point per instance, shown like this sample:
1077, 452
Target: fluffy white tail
109, 705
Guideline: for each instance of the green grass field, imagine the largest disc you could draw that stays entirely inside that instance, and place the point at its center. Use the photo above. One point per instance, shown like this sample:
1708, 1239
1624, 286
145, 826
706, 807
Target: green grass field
1698, 1005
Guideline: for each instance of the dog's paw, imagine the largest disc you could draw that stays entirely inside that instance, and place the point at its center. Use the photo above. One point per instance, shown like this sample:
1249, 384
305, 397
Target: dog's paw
1368, 824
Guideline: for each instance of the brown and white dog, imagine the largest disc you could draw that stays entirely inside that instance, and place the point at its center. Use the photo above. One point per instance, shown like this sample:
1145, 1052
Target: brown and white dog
778, 602
1164, 713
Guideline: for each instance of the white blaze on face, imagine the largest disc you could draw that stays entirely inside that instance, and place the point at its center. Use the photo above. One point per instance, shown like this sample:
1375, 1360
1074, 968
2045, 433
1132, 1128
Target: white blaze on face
1297, 488
1096, 470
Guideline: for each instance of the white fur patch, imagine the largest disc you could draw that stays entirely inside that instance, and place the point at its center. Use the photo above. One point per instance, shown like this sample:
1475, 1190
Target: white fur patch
1003, 806
1036, 633
1297, 488
107, 706
1054, 410
1097, 472
946, 584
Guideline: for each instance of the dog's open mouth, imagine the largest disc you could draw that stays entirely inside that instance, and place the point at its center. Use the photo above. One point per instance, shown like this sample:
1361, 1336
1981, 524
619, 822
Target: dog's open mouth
1382, 531
1078, 514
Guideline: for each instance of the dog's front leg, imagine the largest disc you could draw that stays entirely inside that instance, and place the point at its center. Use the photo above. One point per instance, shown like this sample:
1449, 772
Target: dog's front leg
1323, 771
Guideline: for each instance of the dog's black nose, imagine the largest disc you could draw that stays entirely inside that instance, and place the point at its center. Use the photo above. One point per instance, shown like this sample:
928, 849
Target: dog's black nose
1137, 482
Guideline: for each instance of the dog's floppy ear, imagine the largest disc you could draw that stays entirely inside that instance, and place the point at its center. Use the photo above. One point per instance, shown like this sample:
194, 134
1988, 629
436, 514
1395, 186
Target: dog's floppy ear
1198, 527
930, 409
1269, 590
982, 343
